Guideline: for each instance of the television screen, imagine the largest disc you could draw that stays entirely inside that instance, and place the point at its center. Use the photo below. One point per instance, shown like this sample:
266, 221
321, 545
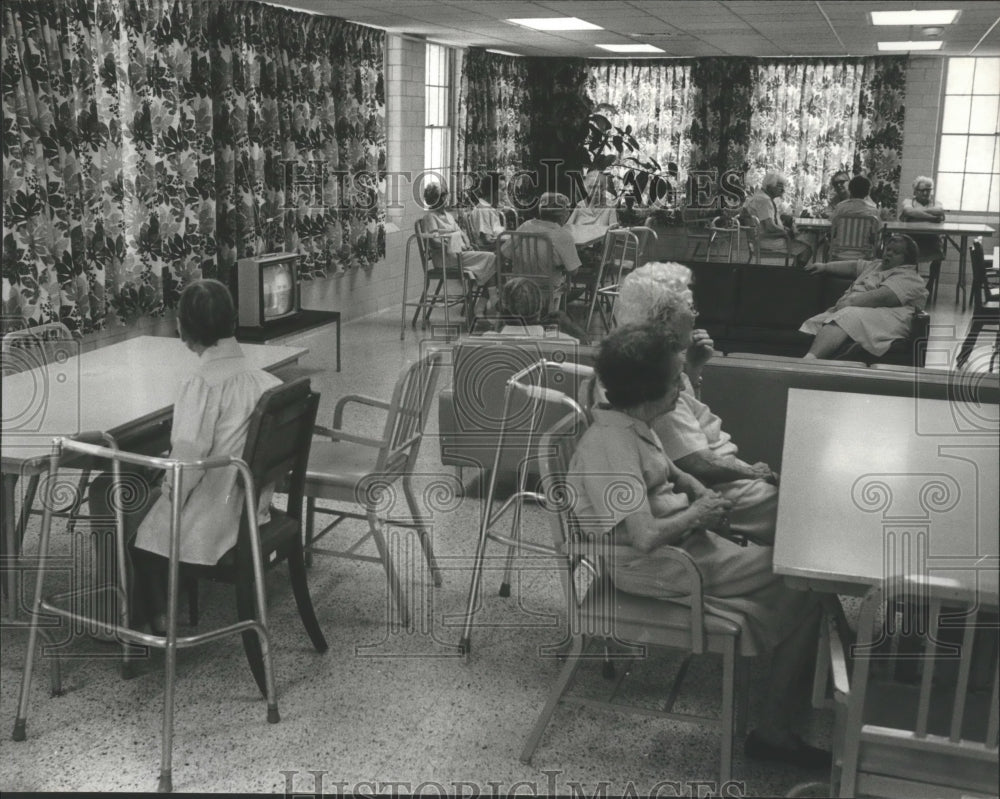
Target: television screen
278, 285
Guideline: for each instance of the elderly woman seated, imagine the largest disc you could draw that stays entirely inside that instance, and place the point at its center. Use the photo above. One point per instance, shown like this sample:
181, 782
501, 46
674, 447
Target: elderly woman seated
211, 418
878, 307
439, 222
640, 367
692, 436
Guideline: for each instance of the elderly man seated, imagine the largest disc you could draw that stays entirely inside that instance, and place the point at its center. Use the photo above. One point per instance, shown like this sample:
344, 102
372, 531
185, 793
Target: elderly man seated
553, 208
775, 233
692, 436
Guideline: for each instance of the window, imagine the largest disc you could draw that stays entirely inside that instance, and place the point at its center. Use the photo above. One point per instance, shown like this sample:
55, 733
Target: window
968, 177
437, 120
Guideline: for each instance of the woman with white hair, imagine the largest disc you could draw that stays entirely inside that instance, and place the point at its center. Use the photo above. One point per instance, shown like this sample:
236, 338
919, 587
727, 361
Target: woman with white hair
692, 436
480, 265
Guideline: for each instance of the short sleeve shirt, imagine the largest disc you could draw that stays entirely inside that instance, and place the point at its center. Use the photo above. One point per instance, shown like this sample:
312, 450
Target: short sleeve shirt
692, 427
563, 246
618, 468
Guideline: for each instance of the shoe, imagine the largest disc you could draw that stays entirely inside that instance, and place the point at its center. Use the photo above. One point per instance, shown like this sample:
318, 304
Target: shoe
800, 754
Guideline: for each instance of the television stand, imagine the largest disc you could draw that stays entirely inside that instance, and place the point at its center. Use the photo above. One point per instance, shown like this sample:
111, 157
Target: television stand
305, 319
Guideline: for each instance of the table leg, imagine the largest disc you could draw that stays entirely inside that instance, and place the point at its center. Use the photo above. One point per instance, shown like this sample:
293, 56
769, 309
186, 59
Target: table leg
338, 338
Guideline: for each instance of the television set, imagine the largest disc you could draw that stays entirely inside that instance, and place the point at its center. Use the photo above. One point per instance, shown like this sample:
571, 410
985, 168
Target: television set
267, 289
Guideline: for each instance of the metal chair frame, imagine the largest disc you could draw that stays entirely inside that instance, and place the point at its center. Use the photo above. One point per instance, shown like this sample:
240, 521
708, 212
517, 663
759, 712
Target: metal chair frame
618, 243
431, 271
605, 614
732, 234
530, 254
255, 631
985, 307
754, 243
396, 456
527, 381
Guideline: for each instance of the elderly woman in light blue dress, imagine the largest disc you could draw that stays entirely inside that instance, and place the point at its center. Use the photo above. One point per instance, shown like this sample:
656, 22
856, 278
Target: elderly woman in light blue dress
879, 306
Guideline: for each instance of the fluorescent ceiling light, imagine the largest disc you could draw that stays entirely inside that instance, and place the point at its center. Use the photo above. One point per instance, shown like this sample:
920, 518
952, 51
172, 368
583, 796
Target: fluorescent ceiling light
909, 45
914, 17
556, 24
503, 52
631, 48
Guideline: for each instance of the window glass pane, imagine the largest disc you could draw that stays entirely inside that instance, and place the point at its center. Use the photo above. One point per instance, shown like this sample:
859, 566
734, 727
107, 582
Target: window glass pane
976, 192
960, 72
994, 205
980, 154
956, 114
996, 154
948, 191
428, 151
952, 153
984, 115
987, 76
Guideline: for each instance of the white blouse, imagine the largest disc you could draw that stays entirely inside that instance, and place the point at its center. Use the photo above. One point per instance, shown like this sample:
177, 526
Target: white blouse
211, 417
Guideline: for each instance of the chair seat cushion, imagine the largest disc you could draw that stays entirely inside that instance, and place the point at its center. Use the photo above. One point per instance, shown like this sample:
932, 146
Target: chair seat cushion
657, 622
336, 468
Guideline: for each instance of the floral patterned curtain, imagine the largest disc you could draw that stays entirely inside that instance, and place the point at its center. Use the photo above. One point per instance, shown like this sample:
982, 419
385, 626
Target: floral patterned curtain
720, 114
654, 98
812, 118
140, 136
882, 110
493, 123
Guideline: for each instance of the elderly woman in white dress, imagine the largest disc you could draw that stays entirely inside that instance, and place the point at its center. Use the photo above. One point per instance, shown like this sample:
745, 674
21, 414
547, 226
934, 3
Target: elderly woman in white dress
211, 418
879, 306
480, 265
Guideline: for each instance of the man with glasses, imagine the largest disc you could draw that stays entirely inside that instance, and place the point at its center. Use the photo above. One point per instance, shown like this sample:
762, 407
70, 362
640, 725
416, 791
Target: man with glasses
931, 247
776, 233
838, 192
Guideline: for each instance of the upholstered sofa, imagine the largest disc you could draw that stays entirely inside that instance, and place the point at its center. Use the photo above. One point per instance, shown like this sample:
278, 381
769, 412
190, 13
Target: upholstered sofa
749, 392
759, 308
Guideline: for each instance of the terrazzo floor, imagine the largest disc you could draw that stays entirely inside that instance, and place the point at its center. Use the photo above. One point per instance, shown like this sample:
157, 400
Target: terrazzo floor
385, 709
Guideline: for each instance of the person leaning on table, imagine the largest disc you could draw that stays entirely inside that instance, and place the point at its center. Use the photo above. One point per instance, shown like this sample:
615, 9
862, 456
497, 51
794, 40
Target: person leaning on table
692, 436
640, 367
876, 309
211, 417
921, 208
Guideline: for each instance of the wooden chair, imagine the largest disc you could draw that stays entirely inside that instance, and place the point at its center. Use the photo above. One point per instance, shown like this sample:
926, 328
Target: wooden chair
434, 266
854, 236
276, 450
985, 306
937, 737
604, 614
359, 470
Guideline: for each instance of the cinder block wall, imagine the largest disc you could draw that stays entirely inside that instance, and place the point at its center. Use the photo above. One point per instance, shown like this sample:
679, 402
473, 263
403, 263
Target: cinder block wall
365, 291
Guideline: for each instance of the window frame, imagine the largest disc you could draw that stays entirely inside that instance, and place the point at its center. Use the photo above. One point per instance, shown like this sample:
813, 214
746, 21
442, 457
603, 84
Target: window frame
939, 142
447, 105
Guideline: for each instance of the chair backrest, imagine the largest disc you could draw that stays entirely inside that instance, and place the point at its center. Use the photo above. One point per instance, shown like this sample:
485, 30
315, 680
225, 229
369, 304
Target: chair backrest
854, 236
980, 290
408, 411
938, 737
36, 346
431, 245
279, 437
555, 451
529, 255
622, 249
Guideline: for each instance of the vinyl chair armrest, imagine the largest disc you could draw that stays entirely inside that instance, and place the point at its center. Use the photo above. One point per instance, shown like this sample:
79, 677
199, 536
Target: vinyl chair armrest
339, 435
360, 399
